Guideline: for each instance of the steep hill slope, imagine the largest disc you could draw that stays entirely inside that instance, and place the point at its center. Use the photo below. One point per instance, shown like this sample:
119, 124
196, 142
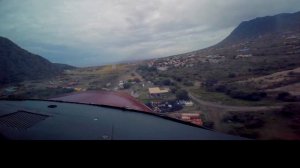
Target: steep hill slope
17, 64
252, 29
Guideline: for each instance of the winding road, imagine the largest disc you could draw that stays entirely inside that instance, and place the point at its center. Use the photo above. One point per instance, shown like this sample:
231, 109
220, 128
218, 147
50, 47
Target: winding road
221, 107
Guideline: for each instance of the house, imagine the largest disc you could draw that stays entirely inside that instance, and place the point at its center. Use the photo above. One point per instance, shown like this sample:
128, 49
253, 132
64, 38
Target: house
121, 84
243, 56
189, 103
192, 117
156, 91
79, 89
162, 68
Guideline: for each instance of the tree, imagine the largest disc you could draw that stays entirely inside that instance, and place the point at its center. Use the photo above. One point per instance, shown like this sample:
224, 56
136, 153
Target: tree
188, 83
166, 82
178, 79
286, 96
182, 95
173, 89
127, 85
221, 88
210, 82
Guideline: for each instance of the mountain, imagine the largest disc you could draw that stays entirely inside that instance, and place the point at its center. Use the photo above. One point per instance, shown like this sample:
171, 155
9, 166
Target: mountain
17, 64
259, 47
252, 29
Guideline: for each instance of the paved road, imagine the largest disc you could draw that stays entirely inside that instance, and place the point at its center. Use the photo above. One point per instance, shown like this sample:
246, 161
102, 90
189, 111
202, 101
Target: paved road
226, 107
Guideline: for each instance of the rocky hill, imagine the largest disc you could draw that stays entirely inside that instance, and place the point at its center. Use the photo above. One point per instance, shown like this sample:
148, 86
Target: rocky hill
252, 29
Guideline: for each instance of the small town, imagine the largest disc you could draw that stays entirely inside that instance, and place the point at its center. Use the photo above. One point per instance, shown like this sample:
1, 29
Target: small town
189, 61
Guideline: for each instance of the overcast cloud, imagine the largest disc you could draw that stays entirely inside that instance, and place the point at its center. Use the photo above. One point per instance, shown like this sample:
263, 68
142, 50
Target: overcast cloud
96, 32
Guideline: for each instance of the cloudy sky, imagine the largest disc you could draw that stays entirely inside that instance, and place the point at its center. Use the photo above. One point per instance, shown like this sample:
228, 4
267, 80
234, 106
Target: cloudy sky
97, 32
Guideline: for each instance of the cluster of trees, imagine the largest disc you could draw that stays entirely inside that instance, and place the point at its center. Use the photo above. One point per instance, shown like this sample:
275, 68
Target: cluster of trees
287, 97
237, 92
245, 91
129, 83
232, 75
148, 73
247, 119
247, 95
210, 84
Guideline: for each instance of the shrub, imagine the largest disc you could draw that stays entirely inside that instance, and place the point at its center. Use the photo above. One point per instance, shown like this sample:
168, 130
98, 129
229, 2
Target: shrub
137, 80
292, 73
221, 88
256, 123
173, 89
210, 82
178, 79
163, 82
283, 95
209, 124
232, 75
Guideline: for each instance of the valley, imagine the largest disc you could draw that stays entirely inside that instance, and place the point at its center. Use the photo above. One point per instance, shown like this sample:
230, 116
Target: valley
246, 85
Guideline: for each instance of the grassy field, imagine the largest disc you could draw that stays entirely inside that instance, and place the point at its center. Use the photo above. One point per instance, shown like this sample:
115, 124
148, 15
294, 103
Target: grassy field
225, 99
104, 70
92, 78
